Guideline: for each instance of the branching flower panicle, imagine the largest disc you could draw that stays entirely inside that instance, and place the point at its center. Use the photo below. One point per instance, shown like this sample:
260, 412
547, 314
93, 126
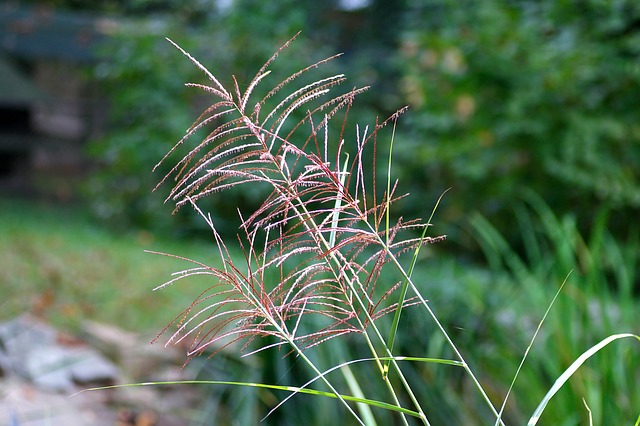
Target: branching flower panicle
315, 248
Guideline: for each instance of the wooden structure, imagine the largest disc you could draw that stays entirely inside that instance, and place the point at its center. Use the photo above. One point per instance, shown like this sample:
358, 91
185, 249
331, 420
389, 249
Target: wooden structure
48, 108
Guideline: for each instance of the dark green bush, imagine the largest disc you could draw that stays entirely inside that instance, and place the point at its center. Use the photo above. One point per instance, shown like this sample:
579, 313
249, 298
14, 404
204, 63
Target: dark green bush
503, 95
515, 95
149, 109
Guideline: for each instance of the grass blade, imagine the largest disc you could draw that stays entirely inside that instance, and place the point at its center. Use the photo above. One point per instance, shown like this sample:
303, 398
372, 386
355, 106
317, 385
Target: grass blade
588, 411
336, 208
355, 361
572, 369
365, 410
526, 352
370, 402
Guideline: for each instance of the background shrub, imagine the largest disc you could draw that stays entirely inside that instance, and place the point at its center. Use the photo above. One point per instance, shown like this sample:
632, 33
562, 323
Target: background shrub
509, 96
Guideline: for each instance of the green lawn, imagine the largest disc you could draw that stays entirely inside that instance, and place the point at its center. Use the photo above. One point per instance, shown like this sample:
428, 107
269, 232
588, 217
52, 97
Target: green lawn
56, 262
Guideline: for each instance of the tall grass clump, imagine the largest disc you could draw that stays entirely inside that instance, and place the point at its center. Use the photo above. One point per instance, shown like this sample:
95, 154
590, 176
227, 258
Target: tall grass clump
322, 257
598, 302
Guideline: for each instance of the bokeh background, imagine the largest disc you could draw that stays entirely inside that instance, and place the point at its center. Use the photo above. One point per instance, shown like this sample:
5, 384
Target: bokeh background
526, 113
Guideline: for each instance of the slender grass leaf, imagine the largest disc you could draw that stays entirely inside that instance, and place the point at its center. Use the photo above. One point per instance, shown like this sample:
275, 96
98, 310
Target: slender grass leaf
352, 382
336, 208
572, 369
526, 352
371, 402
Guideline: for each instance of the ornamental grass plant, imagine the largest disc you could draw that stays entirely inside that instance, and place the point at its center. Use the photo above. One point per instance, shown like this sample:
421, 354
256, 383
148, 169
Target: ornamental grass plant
324, 259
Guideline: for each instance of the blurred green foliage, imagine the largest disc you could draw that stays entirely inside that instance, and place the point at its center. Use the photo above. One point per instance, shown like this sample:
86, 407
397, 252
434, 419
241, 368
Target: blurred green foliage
149, 111
504, 96
508, 96
597, 301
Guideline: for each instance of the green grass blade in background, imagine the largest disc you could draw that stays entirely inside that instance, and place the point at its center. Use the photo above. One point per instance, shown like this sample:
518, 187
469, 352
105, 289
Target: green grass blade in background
354, 386
526, 353
571, 370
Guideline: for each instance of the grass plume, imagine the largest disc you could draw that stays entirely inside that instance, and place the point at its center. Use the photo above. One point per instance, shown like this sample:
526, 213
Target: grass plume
315, 247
